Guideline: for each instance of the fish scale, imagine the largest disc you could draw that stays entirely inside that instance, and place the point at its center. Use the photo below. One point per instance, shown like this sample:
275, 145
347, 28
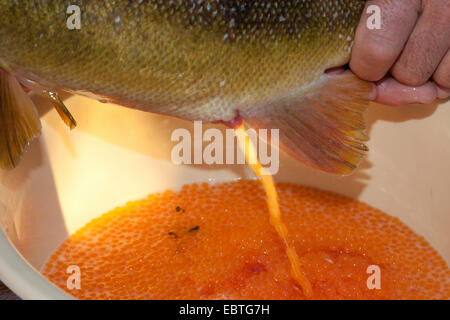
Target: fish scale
198, 60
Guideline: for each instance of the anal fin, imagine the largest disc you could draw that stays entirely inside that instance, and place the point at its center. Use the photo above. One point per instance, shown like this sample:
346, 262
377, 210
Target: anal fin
19, 121
321, 126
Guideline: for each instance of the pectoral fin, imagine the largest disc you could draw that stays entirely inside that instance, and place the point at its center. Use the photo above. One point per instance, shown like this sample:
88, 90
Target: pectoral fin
321, 126
62, 110
19, 121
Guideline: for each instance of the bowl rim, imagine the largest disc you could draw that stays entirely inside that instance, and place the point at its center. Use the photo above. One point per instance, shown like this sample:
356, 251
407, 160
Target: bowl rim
24, 280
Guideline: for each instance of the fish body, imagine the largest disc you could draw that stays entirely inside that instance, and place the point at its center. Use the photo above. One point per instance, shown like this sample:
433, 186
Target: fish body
201, 60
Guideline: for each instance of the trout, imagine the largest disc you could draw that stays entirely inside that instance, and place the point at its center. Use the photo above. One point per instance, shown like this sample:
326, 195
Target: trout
263, 62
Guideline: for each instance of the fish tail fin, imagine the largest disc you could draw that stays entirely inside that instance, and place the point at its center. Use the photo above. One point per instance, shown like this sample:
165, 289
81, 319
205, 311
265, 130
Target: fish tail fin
19, 121
322, 126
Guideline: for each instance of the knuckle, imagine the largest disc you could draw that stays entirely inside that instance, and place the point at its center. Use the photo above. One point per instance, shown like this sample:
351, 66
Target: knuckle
442, 79
381, 54
409, 76
372, 62
417, 63
439, 13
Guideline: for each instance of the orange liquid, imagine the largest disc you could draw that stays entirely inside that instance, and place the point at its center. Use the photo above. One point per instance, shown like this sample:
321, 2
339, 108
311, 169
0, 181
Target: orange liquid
216, 241
274, 210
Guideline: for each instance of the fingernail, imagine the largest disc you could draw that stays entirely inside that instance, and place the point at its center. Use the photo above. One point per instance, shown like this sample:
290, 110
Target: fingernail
420, 95
443, 93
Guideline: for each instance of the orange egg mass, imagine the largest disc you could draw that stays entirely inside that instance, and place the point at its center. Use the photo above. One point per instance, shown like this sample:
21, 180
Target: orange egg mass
215, 241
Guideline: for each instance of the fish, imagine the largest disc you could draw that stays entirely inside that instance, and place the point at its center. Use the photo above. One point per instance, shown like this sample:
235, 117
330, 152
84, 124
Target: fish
262, 62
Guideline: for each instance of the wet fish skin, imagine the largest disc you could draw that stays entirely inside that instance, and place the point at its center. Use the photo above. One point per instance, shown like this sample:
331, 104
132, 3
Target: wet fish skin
198, 60
194, 59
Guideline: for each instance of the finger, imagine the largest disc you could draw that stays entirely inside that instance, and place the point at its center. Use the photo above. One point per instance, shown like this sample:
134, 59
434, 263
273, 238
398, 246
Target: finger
391, 92
443, 93
426, 46
442, 74
375, 51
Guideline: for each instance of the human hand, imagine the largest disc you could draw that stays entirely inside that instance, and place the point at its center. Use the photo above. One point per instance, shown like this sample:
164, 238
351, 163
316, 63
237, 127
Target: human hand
409, 57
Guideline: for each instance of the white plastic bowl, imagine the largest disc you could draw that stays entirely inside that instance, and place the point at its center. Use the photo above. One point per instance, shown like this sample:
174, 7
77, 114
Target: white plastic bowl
116, 155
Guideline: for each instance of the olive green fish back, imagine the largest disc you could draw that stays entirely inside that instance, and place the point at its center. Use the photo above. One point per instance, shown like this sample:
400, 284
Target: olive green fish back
177, 56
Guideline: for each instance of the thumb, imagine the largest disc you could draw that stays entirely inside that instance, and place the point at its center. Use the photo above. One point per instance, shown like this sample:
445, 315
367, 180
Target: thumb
391, 92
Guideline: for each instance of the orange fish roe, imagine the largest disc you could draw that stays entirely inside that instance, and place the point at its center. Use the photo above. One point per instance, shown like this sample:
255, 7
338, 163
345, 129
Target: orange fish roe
216, 242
